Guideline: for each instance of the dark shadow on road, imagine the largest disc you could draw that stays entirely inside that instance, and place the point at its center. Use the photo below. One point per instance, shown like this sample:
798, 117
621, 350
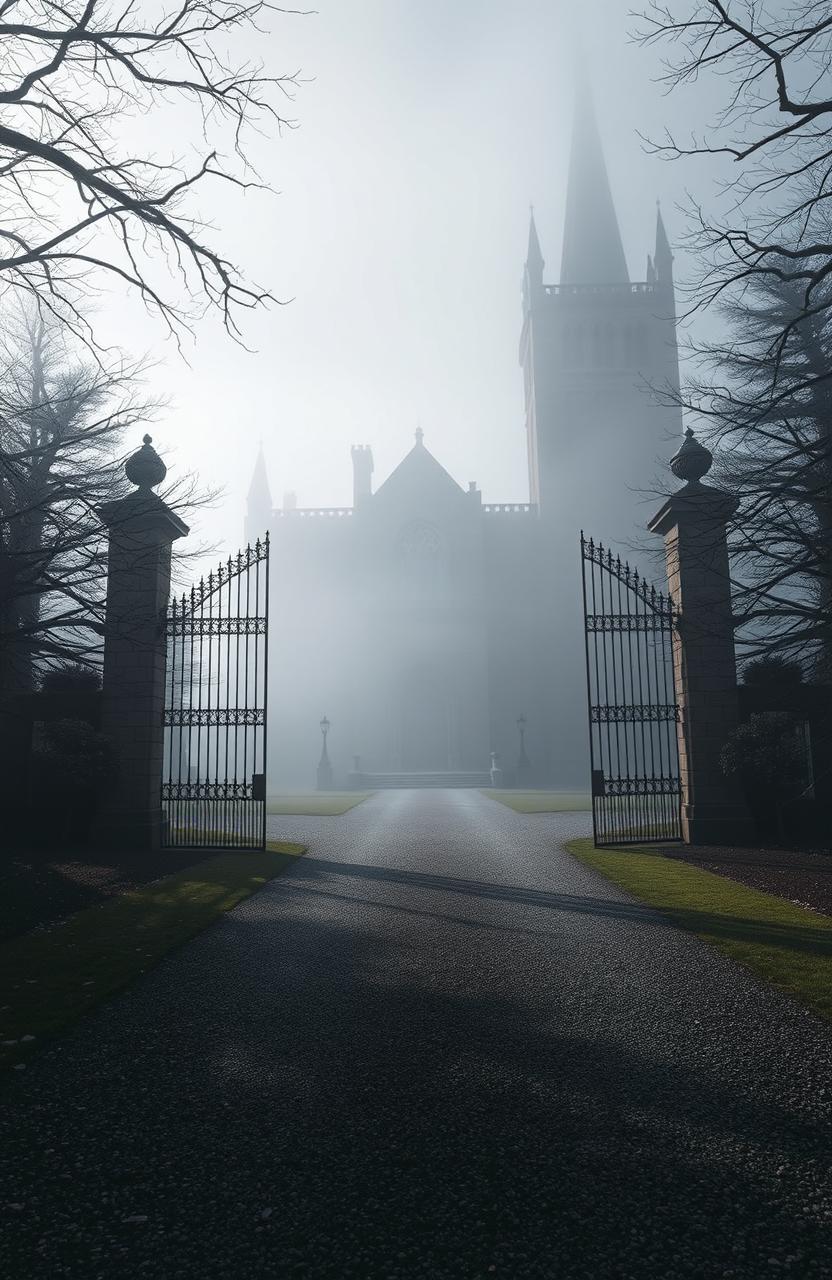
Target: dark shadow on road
397, 1126
815, 939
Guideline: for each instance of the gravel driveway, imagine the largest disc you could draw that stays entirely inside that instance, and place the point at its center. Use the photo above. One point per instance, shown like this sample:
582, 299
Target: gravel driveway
437, 1047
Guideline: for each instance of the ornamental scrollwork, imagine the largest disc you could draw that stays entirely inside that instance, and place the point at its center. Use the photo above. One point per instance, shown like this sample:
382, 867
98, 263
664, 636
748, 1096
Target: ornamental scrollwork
630, 621
641, 713
199, 717
181, 626
206, 791
642, 786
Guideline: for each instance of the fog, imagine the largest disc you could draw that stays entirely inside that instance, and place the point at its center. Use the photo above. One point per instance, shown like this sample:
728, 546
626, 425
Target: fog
396, 238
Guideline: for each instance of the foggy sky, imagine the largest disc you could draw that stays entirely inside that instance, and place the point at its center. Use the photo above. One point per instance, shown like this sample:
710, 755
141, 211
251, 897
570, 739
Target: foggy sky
425, 130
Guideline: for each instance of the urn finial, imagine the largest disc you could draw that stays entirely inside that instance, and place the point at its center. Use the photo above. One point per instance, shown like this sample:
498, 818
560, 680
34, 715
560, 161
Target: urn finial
145, 468
692, 461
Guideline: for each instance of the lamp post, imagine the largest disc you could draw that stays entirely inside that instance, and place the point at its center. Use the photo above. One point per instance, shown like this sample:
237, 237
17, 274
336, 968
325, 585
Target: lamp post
325, 781
523, 763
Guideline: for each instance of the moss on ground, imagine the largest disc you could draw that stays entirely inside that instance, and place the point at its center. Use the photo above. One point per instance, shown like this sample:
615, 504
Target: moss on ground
787, 945
51, 976
543, 801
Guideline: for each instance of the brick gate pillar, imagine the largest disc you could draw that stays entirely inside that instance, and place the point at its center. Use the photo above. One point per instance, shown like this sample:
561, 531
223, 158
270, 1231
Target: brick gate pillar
142, 529
693, 524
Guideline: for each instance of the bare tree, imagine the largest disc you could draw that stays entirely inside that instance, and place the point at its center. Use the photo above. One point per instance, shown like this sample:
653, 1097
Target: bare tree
771, 62
763, 253
84, 201
61, 429
778, 459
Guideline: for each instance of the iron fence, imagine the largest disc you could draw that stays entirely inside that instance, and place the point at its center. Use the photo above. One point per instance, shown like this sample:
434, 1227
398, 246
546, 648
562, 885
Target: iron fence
214, 783
633, 712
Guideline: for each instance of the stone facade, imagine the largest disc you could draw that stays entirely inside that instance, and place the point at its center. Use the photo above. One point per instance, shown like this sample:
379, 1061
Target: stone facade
425, 621
404, 612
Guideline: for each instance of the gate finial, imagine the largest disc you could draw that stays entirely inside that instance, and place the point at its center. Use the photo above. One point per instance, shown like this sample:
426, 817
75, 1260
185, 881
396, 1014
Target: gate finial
692, 461
145, 468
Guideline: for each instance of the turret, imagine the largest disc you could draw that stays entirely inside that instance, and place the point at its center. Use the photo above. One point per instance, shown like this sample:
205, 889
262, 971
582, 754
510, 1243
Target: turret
663, 256
533, 271
362, 474
259, 502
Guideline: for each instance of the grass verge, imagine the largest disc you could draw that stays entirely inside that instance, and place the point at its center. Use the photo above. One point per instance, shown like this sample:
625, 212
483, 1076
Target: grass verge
788, 946
50, 977
319, 804
543, 801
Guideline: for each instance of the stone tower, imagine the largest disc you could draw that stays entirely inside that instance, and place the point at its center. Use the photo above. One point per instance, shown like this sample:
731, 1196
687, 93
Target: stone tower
597, 349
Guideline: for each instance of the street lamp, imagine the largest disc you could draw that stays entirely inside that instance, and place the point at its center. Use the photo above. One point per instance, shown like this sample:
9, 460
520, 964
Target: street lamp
523, 762
325, 780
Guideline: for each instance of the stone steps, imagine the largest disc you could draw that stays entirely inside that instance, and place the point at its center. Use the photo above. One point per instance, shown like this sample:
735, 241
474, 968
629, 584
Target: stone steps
406, 781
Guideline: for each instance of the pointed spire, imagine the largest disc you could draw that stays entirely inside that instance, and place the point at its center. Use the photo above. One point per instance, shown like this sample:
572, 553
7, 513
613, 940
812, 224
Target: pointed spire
534, 258
663, 256
592, 248
259, 495
533, 270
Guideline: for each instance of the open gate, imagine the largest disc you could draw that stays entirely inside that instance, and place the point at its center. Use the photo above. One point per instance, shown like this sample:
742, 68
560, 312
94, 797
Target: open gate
633, 713
214, 772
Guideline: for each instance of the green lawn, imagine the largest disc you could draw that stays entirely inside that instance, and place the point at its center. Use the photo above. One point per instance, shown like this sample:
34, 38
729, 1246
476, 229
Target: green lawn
543, 801
786, 945
50, 977
317, 804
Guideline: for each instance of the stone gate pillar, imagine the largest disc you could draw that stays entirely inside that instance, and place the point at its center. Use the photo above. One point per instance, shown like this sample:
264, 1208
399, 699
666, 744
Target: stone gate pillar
142, 529
693, 524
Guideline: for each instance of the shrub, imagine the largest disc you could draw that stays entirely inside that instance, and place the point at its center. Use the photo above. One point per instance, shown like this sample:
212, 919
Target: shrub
72, 676
767, 756
772, 670
72, 765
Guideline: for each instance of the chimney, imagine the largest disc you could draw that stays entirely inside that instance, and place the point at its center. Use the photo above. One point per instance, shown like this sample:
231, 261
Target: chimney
362, 473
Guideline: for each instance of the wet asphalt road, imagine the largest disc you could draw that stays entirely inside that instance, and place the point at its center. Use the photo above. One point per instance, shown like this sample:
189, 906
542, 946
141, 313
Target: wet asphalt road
436, 1047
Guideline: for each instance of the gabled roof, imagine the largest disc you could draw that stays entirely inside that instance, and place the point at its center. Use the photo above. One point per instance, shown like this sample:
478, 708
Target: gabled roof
419, 472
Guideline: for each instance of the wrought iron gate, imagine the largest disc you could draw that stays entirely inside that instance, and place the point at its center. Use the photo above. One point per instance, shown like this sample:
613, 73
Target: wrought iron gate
633, 714
214, 774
